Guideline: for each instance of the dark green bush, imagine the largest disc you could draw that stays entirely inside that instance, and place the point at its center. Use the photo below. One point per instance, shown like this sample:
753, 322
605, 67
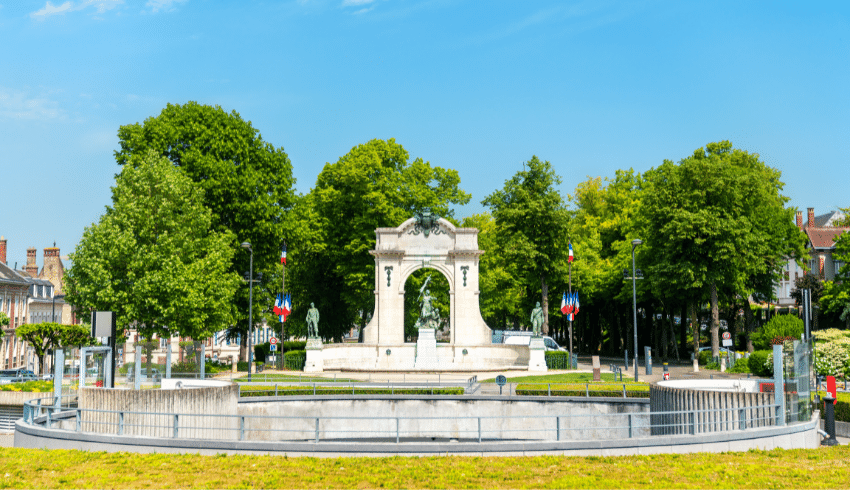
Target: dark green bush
778, 326
294, 345
705, 357
756, 363
295, 359
242, 366
557, 359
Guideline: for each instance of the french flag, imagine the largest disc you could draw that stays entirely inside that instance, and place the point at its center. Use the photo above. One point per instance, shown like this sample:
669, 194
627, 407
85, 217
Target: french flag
564, 304
575, 304
570, 258
278, 305
283, 255
286, 308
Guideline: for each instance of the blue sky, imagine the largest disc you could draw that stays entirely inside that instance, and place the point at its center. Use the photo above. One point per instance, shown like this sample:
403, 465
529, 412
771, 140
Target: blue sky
478, 86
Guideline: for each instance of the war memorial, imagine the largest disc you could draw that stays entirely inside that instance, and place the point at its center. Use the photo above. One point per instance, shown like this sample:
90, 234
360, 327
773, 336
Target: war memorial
213, 416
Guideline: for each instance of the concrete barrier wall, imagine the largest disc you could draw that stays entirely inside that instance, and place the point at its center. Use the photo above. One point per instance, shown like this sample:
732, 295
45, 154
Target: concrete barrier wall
448, 417
161, 405
12, 407
739, 413
366, 357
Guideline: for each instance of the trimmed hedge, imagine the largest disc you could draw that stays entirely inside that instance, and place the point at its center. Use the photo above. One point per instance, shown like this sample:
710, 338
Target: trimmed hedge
842, 408
757, 362
557, 359
295, 359
593, 390
302, 390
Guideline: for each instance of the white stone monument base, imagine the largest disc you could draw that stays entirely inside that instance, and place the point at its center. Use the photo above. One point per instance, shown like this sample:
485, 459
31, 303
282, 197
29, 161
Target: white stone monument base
315, 357
426, 350
536, 355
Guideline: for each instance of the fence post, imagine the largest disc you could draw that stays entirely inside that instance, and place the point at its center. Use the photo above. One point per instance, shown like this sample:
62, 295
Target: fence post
549, 389
742, 421
176, 423
479, 429
317, 429
631, 424
396, 429
120, 423
314, 389
49, 423
624, 386
275, 389
587, 390
693, 423
557, 428
242, 428
78, 416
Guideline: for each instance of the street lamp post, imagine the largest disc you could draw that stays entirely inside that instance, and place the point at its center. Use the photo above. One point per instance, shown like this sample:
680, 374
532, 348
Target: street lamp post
250, 309
635, 243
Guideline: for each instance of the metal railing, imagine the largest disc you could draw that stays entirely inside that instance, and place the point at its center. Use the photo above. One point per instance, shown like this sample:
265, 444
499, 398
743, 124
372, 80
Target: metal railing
394, 428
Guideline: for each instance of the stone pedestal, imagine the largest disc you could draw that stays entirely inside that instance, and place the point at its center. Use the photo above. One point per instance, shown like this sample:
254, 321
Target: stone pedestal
536, 355
426, 350
315, 360
597, 369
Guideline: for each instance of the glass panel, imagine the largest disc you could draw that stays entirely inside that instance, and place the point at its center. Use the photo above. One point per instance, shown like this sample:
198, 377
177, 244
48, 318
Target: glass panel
798, 366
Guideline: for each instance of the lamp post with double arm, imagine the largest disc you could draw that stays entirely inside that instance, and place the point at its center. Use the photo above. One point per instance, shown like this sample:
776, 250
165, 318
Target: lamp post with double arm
247, 245
635, 243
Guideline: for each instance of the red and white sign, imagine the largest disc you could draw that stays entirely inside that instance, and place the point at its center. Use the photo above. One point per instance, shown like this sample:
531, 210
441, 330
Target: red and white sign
273, 340
727, 335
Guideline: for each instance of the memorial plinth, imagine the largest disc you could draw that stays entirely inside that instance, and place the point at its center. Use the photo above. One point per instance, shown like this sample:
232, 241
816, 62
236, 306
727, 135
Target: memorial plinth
426, 350
537, 355
315, 358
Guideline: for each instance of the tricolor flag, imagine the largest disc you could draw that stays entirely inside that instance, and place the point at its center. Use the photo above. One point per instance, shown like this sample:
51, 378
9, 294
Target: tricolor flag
286, 308
283, 255
575, 304
564, 304
570, 258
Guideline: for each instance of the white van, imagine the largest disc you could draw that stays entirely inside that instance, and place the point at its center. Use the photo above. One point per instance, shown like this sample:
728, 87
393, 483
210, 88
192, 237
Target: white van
526, 340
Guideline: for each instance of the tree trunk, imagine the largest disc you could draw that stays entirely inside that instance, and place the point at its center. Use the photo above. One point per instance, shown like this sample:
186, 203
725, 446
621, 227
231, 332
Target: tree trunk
673, 337
683, 328
715, 322
749, 323
544, 288
664, 340
695, 328
243, 347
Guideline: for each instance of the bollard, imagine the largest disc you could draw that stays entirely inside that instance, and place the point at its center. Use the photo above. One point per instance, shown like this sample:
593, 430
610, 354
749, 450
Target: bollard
666, 374
829, 423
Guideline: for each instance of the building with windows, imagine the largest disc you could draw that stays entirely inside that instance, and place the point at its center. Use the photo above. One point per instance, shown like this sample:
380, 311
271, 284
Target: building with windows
821, 233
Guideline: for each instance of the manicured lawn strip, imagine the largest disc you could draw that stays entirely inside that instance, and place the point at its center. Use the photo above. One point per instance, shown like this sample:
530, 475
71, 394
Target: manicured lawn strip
798, 468
301, 390
577, 389
559, 378
287, 378
29, 386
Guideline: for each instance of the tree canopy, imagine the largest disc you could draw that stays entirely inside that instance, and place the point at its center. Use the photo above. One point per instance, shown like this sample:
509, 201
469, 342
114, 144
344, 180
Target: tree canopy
532, 223
154, 257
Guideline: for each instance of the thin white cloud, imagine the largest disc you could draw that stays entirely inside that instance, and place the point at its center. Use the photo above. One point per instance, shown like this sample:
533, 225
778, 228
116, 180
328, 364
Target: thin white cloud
162, 5
49, 9
23, 106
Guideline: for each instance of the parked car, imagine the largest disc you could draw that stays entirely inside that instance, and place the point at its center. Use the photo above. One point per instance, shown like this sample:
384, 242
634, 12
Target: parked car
17, 376
154, 375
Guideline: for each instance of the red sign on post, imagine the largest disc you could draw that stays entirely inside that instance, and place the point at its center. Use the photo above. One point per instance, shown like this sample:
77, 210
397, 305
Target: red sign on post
273, 340
831, 388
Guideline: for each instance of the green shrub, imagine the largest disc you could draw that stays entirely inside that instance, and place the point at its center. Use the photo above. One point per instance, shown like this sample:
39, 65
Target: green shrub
741, 366
242, 366
557, 359
778, 326
705, 357
29, 386
294, 345
757, 362
578, 389
308, 390
295, 359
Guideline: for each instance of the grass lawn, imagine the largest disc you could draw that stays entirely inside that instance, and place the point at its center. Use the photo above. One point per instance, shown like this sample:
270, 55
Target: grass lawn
563, 378
798, 468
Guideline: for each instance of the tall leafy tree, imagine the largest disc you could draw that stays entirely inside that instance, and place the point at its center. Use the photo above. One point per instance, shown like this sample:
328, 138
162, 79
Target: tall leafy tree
532, 221
374, 185
51, 335
154, 257
836, 293
716, 224
247, 183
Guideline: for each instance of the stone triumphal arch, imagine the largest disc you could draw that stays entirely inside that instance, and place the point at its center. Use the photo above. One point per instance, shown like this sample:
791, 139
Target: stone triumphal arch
427, 241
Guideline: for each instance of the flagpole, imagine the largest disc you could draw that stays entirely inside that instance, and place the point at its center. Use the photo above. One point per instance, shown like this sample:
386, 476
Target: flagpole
283, 301
570, 267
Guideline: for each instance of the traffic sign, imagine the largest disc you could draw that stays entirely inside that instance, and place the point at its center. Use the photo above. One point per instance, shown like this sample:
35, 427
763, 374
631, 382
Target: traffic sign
501, 380
272, 347
727, 335
273, 340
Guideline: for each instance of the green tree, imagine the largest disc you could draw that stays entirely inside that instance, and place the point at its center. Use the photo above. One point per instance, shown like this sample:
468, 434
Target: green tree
41, 336
836, 293
154, 257
247, 183
716, 225
374, 185
532, 223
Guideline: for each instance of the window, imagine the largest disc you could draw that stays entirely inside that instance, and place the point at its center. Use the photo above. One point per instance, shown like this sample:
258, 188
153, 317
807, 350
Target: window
838, 265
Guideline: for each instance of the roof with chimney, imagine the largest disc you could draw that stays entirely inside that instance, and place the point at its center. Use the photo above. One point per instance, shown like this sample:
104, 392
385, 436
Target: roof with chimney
827, 220
824, 238
9, 276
